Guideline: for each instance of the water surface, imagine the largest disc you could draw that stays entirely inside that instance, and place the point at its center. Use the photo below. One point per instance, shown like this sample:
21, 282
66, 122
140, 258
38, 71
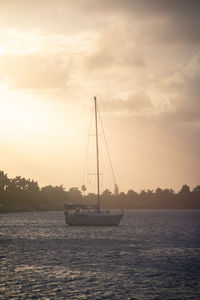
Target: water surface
153, 254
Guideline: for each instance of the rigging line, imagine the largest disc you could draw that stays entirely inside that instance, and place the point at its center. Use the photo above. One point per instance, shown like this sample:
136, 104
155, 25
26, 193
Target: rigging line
109, 159
104, 164
106, 146
87, 148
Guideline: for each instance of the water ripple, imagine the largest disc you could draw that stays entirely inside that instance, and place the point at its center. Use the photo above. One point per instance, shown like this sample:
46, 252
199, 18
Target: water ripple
152, 255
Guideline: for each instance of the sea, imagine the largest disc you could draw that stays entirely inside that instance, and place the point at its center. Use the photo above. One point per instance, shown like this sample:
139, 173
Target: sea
153, 254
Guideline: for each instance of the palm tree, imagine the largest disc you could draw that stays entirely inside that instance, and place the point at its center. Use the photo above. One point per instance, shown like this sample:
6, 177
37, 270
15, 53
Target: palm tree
4, 181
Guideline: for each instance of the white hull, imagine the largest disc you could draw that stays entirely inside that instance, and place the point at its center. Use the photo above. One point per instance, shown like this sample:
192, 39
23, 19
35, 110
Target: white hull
81, 220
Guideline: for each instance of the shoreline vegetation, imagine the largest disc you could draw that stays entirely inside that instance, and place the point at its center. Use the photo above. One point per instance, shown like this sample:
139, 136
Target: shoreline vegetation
22, 195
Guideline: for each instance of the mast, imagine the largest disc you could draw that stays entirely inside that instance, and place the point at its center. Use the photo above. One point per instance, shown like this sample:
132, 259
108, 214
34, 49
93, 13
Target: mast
97, 151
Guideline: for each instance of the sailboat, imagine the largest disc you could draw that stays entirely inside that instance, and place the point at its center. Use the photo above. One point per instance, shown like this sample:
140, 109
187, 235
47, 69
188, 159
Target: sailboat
84, 215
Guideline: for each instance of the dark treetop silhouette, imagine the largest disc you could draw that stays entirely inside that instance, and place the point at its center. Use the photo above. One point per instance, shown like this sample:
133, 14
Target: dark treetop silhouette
20, 194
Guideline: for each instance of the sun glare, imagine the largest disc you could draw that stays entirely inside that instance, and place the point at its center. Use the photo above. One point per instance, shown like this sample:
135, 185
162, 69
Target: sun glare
21, 116
26, 116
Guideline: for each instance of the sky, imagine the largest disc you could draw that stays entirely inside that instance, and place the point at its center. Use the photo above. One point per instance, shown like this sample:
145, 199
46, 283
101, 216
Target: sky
140, 58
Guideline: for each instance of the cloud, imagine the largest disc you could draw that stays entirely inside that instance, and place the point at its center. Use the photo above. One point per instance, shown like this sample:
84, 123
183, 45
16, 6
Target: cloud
183, 90
34, 71
171, 30
137, 54
156, 20
114, 47
134, 104
134, 6
132, 51
166, 21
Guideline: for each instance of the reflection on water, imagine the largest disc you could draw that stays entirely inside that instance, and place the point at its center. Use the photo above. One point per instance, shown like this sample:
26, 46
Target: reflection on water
151, 255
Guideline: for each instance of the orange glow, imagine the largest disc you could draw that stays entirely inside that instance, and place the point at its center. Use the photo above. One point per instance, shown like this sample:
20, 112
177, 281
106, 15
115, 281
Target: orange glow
140, 62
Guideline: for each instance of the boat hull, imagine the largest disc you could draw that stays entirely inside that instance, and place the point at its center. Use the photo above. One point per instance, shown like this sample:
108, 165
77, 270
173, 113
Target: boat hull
109, 220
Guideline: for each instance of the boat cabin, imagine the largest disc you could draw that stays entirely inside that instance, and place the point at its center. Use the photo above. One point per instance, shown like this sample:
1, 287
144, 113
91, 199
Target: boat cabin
81, 209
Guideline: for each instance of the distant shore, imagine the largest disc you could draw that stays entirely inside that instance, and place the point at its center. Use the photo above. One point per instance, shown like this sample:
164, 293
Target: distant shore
19, 194
127, 209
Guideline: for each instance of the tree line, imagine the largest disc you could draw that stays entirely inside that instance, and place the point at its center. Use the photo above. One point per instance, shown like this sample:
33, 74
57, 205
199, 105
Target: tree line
21, 194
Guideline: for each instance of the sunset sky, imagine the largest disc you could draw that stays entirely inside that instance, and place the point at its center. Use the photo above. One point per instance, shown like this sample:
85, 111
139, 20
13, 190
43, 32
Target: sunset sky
141, 58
